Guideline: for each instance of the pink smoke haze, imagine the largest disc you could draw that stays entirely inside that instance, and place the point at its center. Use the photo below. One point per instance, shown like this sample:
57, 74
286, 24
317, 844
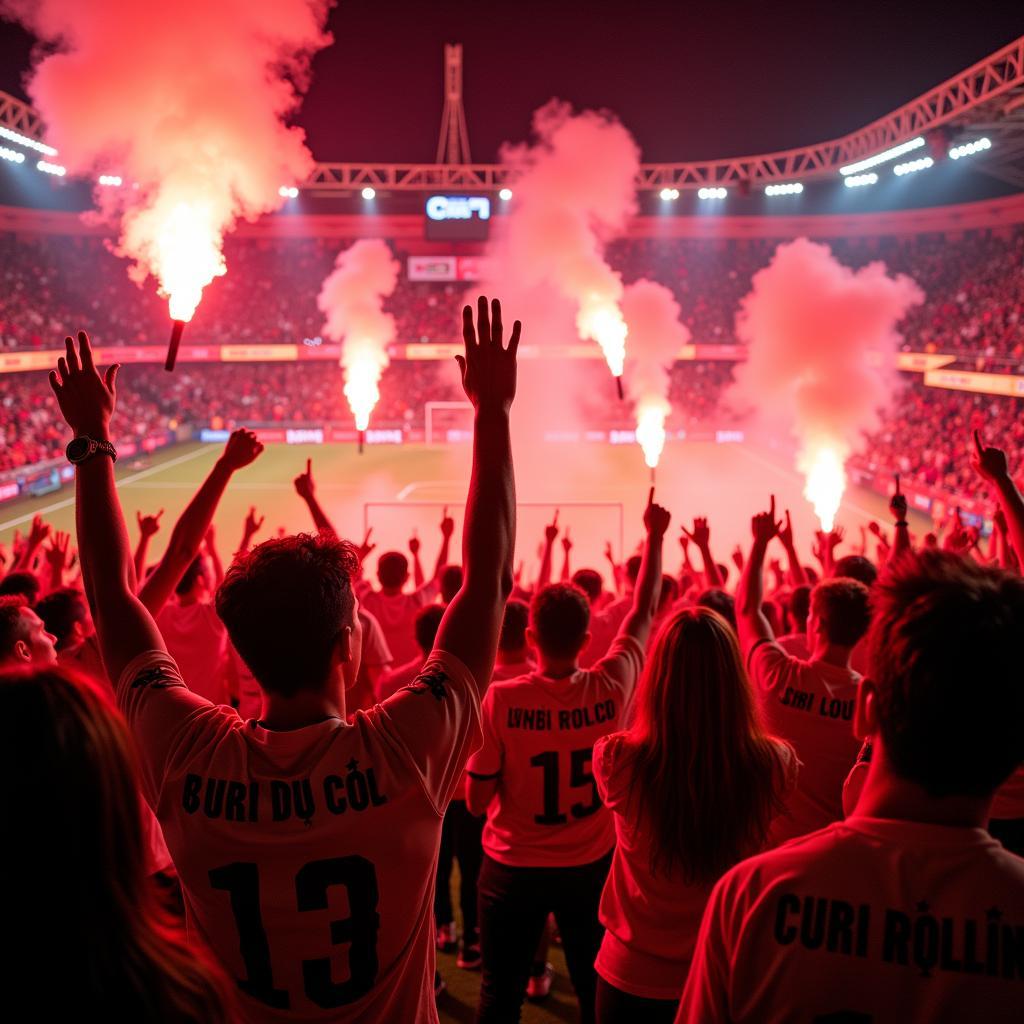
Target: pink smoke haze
821, 343
655, 337
187, 101
351, 299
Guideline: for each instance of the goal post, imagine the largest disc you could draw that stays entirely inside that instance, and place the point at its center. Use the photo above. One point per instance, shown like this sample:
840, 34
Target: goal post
447, 422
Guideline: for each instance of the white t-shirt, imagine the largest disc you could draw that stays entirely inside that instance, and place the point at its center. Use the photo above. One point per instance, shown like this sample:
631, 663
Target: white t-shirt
810, 704
396, 614
868, 920
307, 858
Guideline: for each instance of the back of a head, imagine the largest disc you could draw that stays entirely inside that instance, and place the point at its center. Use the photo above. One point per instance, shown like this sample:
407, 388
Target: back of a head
590, 582
718, 600
856, 567
69, 791
513, 626
697, 745
560, 618
285, 604
451, 582
669, 593
192, 576
633, 568
842, 607
428, 620
12, 628
20, 584
799, 606
60, 610
392, 570
945, 654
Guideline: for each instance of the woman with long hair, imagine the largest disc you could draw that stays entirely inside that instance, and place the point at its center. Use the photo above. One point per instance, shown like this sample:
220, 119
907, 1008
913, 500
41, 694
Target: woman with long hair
88, 940
693, 784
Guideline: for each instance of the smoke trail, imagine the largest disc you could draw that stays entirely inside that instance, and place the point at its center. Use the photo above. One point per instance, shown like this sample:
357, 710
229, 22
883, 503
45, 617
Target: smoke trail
655, 337
351, 298
821, 341
185, 101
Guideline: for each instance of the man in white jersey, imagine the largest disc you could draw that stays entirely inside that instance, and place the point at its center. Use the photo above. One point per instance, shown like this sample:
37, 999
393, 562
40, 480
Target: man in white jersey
809, 703
548, 839
306, 845
908, 911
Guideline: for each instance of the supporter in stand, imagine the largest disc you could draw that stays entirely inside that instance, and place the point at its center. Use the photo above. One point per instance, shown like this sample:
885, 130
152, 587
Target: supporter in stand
24, 640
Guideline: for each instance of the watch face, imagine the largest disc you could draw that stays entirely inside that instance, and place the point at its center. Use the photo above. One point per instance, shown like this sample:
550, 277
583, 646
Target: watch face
78, 449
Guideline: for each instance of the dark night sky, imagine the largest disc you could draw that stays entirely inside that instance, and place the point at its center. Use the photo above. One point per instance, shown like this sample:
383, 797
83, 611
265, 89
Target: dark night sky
691, 81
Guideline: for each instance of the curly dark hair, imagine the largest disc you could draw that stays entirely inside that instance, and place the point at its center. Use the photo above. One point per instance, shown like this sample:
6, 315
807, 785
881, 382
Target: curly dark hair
560, 618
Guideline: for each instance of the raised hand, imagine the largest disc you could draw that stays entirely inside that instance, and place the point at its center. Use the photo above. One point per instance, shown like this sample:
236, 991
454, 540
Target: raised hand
488, 369
764, 525
148, 525
242, 448
252, 523
656, 518
304, 486
414, 545
447, 523
85, 398
38, 532
898, 507
786, 532
834, 538
366, 547
701, 534
57, 552
551, 530
608, 553
737, 557
989, 463
566, 542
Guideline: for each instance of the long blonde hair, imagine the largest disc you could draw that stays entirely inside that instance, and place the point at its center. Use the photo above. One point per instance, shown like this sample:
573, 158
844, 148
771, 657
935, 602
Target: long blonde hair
704, 777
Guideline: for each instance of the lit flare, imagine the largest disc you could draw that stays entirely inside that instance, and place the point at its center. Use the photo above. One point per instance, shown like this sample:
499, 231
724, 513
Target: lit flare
601, 320
825, 480
188, 257
650, 429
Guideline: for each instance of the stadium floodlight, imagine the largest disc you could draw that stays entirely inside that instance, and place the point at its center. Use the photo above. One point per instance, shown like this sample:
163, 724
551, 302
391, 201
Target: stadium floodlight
788, 188
47, 168
859, 180
505, 194
110, 180
369, 193
913, 165
970, 148
288, 192
24, 140
883, 157
11, 155
669, 194
712, 193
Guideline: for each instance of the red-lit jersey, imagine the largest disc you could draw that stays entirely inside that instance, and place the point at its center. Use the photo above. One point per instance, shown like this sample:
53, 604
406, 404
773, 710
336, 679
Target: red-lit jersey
539, 736
893, 922
307, 858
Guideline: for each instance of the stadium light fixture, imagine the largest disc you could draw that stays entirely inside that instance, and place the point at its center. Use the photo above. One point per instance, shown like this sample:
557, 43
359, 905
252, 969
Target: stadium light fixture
788, 188
669, 194
288, 192
369, 193
505, 194
110, 180
55, 169
883, 157
859, 180
11, 155
24, 140
712, 193
913, 165
970, 148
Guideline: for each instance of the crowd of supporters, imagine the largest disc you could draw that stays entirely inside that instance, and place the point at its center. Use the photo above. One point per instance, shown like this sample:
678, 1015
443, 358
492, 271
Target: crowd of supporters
754, 791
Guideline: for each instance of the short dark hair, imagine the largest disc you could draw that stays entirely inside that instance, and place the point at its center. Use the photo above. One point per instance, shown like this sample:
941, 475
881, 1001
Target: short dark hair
719, 601
560, 617
12, 623
633, 568
189, 578
392, 569
843, 607
800, 605
944, 651
589, 581
284, 605
513, 625
856, 567
20, 584
451, 582
60, 610
427, 621
669, 592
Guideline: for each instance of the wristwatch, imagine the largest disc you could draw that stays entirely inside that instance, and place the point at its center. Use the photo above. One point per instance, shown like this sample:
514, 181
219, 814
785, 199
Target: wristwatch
83, 448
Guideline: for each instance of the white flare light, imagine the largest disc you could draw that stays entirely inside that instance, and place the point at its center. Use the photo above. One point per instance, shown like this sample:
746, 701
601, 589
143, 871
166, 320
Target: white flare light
825, 478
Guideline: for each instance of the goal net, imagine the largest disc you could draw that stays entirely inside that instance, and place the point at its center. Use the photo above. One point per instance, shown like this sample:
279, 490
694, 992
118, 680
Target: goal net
447, 422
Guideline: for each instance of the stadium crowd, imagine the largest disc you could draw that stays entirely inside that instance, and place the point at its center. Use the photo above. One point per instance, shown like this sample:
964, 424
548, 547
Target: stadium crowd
747, 792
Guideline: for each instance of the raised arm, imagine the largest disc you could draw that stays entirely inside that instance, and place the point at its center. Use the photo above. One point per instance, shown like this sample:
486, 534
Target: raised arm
898, 507
190, 530
417, 565
566, 551
472, 621
447, 529
57, 558
37, 533
550, 535
991, 465
797, 573
637, 623
250, 528
701, 537
616, 571
306, 490
123, 625
148, 525
750, 619
210, 543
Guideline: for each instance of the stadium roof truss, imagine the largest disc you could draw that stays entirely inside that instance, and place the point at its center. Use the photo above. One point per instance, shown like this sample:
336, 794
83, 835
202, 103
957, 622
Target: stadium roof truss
987, 98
